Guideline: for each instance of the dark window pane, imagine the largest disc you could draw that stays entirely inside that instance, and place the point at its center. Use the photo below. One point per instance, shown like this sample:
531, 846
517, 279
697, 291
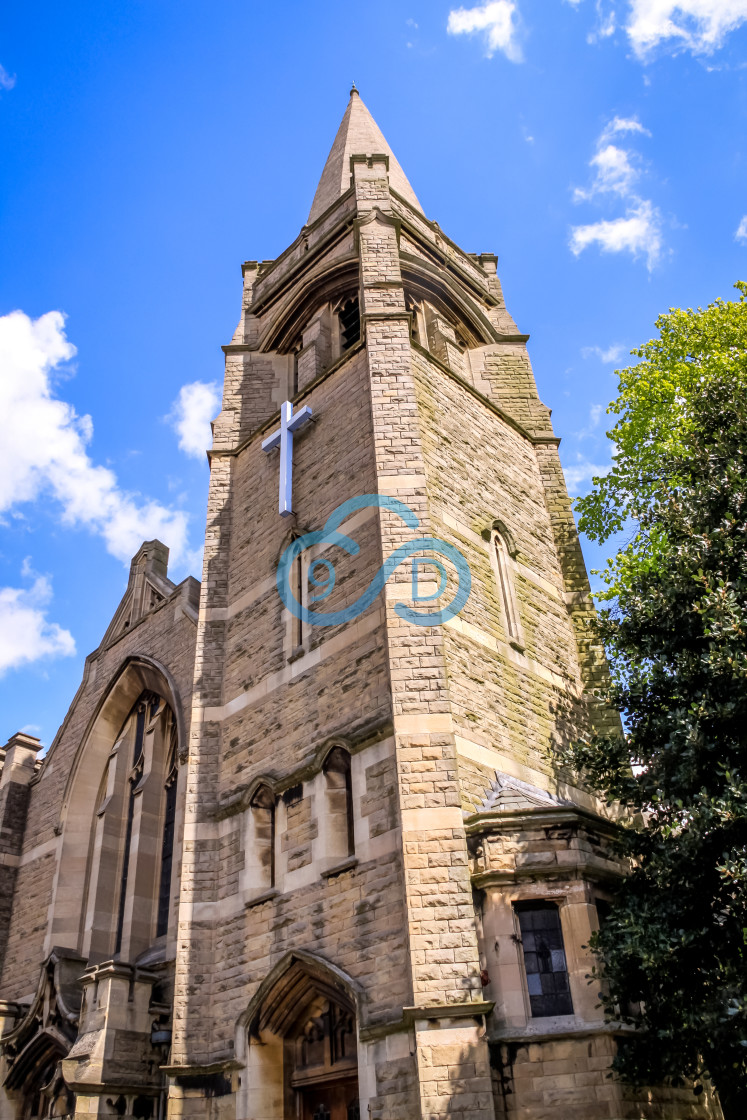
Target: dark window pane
350, 323
603, 909
544, 959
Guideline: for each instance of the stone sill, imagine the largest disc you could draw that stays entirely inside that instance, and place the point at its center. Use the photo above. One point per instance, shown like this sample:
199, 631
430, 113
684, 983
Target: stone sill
339, 868
266, 896
448, 1011
559, 1027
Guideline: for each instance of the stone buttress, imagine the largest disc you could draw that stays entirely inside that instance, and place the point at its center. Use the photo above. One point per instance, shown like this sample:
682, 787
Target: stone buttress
421, 390
323, 863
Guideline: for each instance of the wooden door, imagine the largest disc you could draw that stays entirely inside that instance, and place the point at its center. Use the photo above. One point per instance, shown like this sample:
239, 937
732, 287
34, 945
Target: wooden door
337, 1100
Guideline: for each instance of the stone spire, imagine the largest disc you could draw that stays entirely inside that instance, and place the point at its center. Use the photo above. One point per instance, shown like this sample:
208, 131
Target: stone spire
358, 134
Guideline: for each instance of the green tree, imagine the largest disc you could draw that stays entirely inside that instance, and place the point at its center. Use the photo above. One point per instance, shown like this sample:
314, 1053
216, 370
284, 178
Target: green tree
673, 951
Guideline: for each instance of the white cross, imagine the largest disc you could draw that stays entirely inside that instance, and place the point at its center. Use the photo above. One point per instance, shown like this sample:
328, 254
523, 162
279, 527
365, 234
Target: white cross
283, 438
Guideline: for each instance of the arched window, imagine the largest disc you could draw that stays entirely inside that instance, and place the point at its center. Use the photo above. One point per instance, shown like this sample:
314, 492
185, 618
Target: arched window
501, 561
350, 323
295, 350
130, 865
297, 631
167, 841
297, 624
259, 848
418, 328
338, 807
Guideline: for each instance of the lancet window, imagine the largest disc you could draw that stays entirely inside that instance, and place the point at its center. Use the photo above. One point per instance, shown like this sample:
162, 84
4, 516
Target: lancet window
167, 840
131, 864
338, 796
350, 323
297, 633
263, 819
500, 556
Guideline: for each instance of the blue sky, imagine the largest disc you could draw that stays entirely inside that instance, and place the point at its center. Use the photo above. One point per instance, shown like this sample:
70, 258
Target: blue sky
148, 148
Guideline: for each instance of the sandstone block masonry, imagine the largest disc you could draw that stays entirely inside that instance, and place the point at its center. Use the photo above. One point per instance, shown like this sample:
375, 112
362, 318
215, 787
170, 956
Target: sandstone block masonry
276, 866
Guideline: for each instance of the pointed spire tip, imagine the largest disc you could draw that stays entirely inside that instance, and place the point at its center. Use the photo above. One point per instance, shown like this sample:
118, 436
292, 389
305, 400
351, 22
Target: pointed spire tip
358, 134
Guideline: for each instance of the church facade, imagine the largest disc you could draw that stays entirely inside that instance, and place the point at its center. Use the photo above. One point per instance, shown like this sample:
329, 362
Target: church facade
302, 847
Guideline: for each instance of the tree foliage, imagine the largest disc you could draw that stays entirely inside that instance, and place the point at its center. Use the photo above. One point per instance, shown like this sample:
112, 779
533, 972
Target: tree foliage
673, 951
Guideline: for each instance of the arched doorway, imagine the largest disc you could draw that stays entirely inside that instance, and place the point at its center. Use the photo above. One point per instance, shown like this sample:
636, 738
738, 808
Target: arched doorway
299, 1041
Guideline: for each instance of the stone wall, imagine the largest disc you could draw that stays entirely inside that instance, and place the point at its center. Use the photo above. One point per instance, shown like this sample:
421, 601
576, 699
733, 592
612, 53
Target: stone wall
167, 635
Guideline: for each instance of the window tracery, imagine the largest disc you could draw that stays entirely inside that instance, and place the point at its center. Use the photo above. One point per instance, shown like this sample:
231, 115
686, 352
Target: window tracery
350, 323
130, 865
167, 839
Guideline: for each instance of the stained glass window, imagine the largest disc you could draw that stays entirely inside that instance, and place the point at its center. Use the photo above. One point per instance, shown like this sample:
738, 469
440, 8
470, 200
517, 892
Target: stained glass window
544, 959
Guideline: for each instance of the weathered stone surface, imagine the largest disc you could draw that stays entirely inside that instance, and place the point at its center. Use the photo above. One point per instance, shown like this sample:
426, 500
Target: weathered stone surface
379, 892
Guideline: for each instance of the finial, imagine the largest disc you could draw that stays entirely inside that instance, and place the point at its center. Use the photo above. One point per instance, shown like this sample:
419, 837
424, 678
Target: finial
353, 89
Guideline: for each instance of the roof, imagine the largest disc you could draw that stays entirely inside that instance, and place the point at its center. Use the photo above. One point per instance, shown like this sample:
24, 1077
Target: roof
358, 134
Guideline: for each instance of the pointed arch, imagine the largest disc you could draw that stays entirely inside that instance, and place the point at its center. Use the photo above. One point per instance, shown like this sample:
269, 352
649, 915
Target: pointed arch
258, 875
338, 807
322, 285
298, 1040
427, 282
101, 753
290, 987
152, 675
502, 559
36, 1044
508, 537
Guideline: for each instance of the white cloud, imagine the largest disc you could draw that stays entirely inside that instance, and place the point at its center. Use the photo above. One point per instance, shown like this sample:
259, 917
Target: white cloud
607, 21
7, 81
43, 447
614, 172
639, 232
197, 404
25, 633
614, 168
611, 354
620, 125
700, 26
578, 476
496, 20
741, 232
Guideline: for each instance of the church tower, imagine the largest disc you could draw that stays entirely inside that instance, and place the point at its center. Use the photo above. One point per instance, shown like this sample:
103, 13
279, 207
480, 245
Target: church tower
302, 848
387, 884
